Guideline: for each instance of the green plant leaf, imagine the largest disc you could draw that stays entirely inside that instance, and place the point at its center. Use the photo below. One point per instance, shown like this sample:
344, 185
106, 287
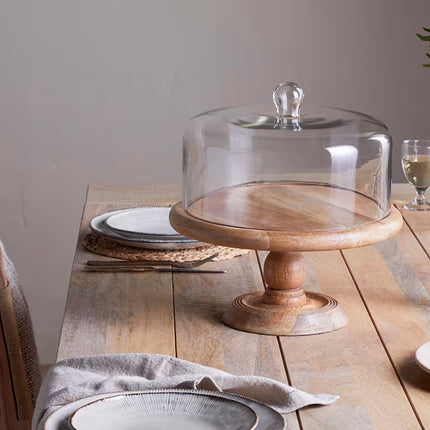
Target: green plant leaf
424, 38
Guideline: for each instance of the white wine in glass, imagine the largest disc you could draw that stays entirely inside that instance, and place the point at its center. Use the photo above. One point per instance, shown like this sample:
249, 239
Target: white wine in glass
416, 167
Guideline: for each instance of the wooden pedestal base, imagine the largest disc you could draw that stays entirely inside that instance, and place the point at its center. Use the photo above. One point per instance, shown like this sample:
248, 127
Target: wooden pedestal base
284, 308
320, 314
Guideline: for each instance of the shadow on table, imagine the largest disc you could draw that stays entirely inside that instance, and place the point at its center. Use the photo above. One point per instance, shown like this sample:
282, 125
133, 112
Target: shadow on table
412, 373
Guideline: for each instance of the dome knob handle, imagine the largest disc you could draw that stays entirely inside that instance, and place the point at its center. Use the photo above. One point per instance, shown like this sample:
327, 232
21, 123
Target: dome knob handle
288, 98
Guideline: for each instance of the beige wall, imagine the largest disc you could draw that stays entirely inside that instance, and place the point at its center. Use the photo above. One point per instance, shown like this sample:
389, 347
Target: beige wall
100, 90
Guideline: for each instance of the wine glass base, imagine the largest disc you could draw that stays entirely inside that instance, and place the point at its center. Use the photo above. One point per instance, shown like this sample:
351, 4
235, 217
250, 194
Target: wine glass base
417, 207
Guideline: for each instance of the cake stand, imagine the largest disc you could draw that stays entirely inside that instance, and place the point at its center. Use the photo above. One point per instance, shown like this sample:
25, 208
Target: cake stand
285, 219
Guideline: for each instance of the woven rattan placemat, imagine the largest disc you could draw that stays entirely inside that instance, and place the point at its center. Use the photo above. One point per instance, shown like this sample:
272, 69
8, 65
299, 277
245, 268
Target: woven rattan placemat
99, 244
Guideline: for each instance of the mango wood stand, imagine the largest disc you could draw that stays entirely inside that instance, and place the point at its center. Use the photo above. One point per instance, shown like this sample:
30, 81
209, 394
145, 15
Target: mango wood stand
284, 307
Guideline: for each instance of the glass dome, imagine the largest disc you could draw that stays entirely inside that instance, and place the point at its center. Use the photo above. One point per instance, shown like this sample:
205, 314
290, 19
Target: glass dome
278, 167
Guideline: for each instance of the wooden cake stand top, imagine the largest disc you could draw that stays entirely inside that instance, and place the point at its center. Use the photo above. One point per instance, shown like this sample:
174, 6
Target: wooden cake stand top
285, 219
281, 217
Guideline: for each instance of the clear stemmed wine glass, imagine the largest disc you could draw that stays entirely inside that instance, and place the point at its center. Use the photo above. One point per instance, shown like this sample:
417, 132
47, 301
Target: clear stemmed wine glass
416, 167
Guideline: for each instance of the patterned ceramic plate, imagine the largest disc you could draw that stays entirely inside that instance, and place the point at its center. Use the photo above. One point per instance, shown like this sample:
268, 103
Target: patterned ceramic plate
268, 418
160, 410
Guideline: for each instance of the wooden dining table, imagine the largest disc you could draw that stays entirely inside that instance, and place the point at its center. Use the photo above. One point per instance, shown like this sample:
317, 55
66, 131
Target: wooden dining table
384, 290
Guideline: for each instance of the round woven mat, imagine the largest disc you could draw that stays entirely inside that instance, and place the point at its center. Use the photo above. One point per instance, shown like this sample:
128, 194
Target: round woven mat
98, 244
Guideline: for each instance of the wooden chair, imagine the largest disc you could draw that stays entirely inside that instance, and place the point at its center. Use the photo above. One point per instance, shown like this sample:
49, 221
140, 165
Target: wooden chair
19, 363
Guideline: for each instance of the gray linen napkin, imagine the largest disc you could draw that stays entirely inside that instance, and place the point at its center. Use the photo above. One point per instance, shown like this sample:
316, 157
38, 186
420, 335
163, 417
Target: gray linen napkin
80, 377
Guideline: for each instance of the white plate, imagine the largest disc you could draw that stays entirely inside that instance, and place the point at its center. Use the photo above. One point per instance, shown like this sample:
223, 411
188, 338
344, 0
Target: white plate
146, 221
160, 410
423, 356
98, 224
268, 418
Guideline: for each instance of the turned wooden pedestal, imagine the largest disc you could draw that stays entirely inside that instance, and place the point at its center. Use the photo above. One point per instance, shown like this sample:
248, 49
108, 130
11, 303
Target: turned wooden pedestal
284, 307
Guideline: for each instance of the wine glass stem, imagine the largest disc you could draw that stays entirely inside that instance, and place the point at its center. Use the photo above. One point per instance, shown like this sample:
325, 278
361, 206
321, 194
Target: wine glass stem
419, 197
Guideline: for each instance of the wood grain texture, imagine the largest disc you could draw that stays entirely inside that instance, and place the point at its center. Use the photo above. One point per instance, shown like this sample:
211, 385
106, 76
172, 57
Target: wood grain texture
384, 289
201, 336
280, 218
277, 240
200, 303
273, 311
396, 287
419, 223
350, 362
286, 207
140, 307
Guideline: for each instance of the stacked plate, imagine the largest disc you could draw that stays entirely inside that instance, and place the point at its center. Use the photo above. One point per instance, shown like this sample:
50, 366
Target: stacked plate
165, 409
144, 227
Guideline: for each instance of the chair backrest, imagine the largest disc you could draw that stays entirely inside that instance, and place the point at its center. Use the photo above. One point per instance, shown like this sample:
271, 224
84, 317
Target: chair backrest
19, 363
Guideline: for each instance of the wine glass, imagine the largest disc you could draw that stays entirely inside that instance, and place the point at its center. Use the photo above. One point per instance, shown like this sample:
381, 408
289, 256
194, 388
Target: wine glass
416, 167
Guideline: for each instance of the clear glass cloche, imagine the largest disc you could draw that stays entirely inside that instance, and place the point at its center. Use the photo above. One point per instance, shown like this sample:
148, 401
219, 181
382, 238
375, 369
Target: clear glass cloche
286, 166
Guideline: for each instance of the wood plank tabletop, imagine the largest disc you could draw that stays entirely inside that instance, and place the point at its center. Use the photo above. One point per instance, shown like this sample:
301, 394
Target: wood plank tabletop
384, 289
